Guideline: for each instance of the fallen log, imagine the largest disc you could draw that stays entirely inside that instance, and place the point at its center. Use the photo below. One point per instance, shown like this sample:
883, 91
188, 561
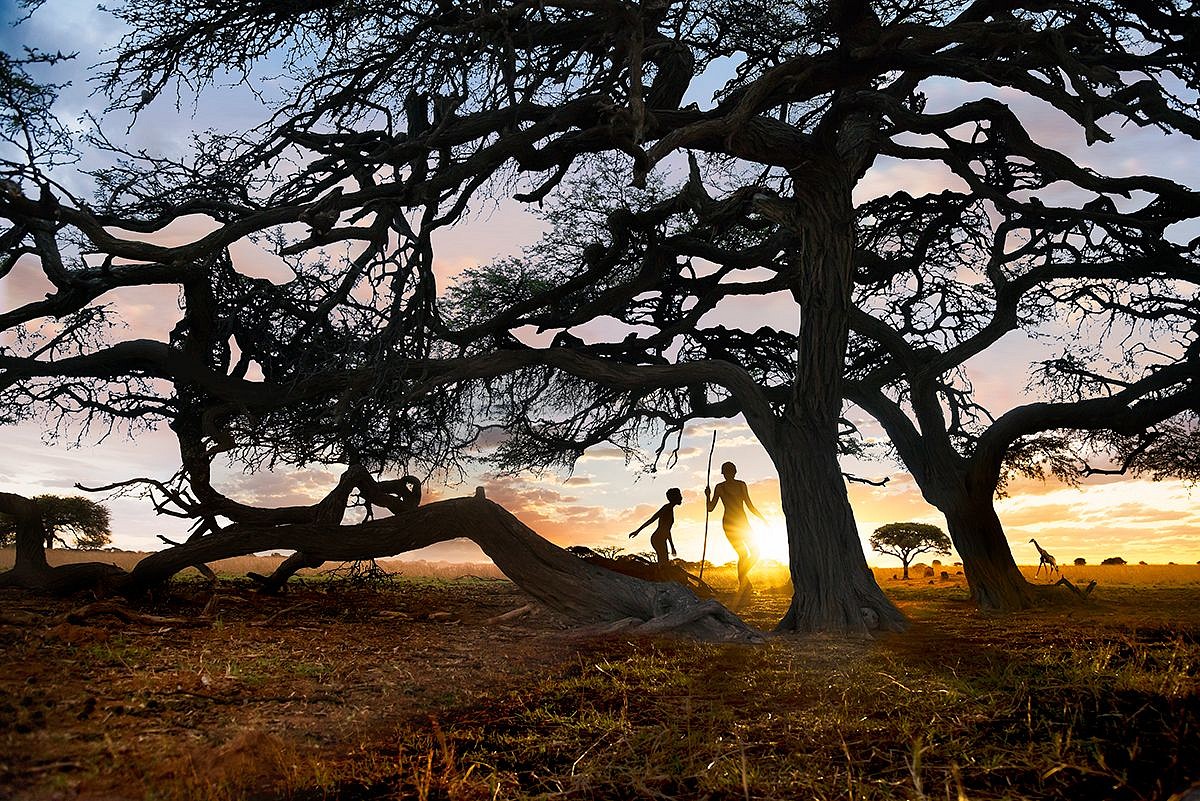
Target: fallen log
585, 594
127, 615
1084, 593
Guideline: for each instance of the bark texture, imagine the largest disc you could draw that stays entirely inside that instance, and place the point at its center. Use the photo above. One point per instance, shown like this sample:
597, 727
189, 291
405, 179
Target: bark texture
996, 582
833, 588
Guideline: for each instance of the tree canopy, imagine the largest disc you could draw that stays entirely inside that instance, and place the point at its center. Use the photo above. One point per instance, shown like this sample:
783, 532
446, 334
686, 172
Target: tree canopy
83, 521
394, 121
907, 540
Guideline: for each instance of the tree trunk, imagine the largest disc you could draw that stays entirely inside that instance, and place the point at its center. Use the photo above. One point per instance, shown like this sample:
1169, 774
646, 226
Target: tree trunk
992, 574
906, 570
834, 590
30, 564
584, 593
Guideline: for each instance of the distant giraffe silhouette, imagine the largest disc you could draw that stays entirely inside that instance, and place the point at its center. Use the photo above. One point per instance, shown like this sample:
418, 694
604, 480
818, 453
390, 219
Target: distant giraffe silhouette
1048, 561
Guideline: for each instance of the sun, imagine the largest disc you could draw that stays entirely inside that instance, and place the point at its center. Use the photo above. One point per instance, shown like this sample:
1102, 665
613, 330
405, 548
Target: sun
771, 538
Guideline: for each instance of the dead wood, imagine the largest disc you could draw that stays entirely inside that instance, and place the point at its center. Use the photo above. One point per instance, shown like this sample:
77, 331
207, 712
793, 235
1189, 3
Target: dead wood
512, 615
584, 593
1084, 593
127, 615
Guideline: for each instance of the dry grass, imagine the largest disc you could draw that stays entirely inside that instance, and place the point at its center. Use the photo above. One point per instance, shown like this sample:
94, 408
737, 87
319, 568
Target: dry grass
1102, 702
768, 575
410, 693
241, 565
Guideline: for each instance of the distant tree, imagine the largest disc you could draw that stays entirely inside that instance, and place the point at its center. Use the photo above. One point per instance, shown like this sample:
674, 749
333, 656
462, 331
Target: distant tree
84, 522
1114, 560
1142, 562
609, 551
906, 540
1080, 561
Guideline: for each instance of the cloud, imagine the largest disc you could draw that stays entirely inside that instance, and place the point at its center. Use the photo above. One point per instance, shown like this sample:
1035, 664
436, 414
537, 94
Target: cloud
290, 488
602, 453
580, 481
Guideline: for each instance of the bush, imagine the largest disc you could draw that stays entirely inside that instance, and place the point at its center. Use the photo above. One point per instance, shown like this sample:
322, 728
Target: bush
1080, 561
1114, 560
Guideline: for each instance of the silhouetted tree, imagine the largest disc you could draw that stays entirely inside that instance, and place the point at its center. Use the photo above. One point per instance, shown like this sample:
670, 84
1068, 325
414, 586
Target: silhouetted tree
906, 540
84, 521
398, 118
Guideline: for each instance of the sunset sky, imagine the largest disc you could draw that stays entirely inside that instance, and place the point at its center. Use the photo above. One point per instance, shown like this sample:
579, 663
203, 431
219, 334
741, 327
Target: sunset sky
604, 499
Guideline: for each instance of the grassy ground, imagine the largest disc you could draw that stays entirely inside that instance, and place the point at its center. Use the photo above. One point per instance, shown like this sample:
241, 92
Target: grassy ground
410, 692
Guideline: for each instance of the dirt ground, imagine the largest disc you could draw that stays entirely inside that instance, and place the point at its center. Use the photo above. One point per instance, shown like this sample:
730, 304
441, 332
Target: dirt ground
335, 692
301, 681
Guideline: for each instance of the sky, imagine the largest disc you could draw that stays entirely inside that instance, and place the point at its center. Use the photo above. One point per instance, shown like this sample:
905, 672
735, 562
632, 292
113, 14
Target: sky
604, 498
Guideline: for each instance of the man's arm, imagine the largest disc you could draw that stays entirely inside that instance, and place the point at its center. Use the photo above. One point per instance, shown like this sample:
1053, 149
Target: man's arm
711, 499
750, 504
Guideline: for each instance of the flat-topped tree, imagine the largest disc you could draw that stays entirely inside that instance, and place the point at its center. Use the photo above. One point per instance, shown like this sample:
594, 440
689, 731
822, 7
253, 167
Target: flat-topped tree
905, 541
83, 521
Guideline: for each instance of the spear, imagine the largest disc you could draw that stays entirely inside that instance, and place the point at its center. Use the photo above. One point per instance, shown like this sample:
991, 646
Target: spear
707, 481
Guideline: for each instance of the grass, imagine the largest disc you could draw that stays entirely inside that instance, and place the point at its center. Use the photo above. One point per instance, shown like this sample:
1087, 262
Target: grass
363, 695
964, 706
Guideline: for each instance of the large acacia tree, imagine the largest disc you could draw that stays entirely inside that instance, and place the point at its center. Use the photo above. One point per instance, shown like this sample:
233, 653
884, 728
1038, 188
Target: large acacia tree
935, 287
398, 116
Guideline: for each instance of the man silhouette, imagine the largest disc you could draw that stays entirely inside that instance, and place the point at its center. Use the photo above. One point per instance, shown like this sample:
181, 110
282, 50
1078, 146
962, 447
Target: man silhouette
735, 497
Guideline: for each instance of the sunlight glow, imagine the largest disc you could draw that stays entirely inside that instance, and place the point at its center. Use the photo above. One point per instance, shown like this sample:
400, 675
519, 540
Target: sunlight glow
771, 538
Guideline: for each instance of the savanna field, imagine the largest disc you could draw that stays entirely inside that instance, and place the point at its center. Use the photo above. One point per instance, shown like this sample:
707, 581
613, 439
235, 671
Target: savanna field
417, 689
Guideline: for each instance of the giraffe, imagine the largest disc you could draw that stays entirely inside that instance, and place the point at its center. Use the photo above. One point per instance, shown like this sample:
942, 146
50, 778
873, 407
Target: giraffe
1047, 561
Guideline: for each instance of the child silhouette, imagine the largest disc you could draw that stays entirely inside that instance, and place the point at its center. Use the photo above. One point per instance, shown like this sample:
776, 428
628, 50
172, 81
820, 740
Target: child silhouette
665, 516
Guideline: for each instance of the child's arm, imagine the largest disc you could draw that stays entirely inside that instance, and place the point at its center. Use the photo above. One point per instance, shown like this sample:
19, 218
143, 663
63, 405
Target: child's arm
653, 517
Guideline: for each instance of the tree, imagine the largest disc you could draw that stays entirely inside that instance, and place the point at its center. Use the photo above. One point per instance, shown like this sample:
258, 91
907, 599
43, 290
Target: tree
906, 540
1083, 270
397, 118
85, 521
1114, 560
